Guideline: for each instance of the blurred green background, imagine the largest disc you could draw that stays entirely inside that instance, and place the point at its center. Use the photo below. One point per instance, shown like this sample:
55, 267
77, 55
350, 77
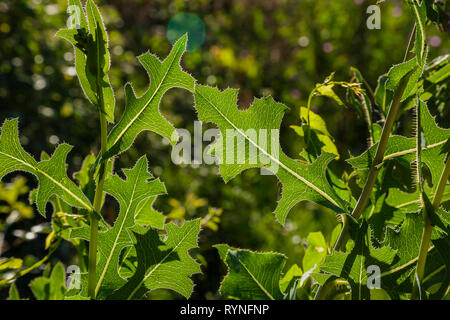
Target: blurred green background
264, 47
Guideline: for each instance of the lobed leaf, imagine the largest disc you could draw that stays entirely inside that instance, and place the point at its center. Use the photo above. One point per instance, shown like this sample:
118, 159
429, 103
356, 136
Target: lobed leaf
162, 261
420, 15
300, 181
138, 187
353, 265
51, 173
252, 275
92, 60
143, 113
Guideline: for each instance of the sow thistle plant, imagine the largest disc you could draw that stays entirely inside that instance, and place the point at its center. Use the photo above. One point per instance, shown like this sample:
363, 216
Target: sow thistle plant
392, 241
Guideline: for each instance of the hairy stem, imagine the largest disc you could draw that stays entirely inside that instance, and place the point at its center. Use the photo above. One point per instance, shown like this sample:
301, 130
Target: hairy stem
378, 159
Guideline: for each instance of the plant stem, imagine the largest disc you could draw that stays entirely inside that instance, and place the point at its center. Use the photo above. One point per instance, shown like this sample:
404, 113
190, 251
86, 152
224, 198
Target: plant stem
307, 133
343, 236
98, 198
379, 155
427, 229
378, 159
98, 201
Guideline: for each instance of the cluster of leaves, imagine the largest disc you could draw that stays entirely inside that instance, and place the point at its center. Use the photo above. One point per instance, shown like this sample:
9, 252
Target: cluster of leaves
140, 252
400, 213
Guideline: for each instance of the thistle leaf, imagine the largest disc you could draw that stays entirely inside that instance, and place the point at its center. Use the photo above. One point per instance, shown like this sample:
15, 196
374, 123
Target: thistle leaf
162, 262
51, 173
406, 241
263, 119
353, 266
420, 15
399, 71
139, 186
383, 97
252, 275
92, 60
143, 113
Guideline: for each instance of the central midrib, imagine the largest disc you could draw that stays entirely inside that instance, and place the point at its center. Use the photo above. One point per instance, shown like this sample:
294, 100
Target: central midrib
157, 266
309, 184
122, 132
108, 260
422, 43
256, 280
88, 207
412, 150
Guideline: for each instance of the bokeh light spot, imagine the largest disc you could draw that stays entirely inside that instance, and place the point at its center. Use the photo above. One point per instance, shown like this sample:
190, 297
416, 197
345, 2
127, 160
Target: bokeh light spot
187, 23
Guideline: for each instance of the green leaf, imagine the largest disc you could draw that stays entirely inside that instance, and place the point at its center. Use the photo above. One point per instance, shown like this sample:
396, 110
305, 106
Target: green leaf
51, 173
294, 273
327, 91
253, 275
223, 250
63, 221
406, 240
50, 288
420, 15
383, 97
443, 247
300, 181
147, 216
84, 176
353, 266
143, 113
13, 292
162, 261
439, 69
92, 60
399, 71
138, 187
319, 135
10, 264
315, 121
316, 251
